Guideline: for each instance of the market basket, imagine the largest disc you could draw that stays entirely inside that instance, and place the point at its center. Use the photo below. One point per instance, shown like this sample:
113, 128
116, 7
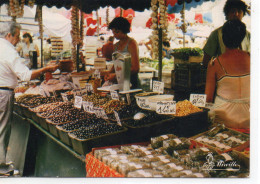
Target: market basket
83, 146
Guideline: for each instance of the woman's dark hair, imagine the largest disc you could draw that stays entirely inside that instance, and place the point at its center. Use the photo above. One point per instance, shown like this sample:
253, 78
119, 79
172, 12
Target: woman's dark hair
233, 33
27, 35
238, 4
166, 43
120, 23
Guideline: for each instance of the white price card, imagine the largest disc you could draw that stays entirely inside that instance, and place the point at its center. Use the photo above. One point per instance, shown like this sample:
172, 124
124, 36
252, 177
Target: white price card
64, 97
198, 100
78, 102
96, 74
143, 103
42, 92
166, 107
117, 118
114, 95
100, 113
75, 81
88, 106
89, 87
158, 87
128, 98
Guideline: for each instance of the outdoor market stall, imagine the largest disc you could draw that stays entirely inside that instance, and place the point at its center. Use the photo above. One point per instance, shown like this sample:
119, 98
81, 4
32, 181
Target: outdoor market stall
63, 120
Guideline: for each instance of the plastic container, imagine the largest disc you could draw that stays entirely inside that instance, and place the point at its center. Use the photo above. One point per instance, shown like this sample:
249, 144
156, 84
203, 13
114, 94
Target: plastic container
42, 121
193, 124
64, 135
85, 146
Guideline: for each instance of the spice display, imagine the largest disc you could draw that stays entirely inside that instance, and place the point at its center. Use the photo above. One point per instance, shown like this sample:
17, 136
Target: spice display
184, 108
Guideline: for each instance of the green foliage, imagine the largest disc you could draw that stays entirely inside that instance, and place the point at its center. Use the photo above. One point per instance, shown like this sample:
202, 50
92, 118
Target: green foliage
185, 53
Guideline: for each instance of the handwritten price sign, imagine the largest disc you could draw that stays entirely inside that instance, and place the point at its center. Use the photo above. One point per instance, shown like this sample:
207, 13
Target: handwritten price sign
100, 113
89, 87
64, 97
166, 107
143, 103
117, 118
88, 106
78, 102
158, 87
114, 95
198, 100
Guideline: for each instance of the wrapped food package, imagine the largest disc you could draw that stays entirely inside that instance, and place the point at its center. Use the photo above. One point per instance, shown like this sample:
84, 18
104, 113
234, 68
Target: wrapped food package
145, 173
176, 144
127, 167
103, 152
157, 142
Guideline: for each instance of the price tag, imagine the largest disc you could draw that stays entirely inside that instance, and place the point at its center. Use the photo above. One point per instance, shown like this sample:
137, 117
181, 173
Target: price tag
96, 74
78, 102
128, 99
117, 118
100, 113
143, 103
158, 87
64, 97
166, 107
88, 106
198, 100
42, 92
75, 81
114, 95
89, 87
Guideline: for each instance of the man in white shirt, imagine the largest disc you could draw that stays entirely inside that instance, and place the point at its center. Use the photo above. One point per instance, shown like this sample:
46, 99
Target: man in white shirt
11, 67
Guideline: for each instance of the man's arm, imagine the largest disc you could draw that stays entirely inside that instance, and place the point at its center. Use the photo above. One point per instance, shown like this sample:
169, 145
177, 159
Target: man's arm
39, 72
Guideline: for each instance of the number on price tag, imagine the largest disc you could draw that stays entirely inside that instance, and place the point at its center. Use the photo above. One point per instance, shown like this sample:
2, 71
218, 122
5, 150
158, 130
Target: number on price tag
198, 100
100, 113
166, 107
114, 95
64, 97
96, 74
158, 87
117, 118
89, 87
88, 106
143, 103
78, 102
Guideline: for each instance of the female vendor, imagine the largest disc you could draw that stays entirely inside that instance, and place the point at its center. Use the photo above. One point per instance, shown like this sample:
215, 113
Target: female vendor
120, 27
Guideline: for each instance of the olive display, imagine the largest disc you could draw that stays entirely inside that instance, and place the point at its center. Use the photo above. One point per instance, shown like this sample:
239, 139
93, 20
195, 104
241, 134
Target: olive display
96, 130
75, 125
112, 105
46, 107
96, 99
25, 97
57, 110
128, 111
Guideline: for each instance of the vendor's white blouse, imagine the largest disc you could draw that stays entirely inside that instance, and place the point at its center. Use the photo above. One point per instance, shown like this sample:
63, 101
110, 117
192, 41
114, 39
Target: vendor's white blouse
11, 66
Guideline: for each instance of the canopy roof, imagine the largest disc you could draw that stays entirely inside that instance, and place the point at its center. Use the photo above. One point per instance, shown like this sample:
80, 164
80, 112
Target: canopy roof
89, 5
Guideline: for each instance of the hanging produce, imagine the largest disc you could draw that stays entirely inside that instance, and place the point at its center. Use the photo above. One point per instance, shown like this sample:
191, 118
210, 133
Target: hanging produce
159, 20
16, 8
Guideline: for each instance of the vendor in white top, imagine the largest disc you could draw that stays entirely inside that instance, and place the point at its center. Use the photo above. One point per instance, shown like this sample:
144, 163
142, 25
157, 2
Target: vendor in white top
12, 67
26, 46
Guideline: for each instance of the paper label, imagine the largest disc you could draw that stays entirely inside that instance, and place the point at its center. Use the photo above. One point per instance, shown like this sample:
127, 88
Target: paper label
143, 103
199, 175
64, 97
166, 107
128, 99
198, 100
89, 87
96, 74
117, 118
226, 156
114, 95
205, 149
166, 161
178, 141
188, 172
88, 106
78, 102
171, 165
158, 87
100, 113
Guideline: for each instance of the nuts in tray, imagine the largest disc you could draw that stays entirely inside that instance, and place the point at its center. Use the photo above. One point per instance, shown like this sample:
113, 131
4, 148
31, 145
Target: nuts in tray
96, 99
57, 110
96, 130
46, 107
69, 115
25, 97
184, 108
112, 105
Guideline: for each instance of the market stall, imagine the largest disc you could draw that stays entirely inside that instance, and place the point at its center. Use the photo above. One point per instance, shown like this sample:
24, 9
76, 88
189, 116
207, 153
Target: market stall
72, 126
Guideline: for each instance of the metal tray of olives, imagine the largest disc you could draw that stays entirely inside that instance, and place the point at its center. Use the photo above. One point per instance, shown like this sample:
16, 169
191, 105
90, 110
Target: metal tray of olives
52, 127
84, 146
42, 121
63, 134
26, 112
